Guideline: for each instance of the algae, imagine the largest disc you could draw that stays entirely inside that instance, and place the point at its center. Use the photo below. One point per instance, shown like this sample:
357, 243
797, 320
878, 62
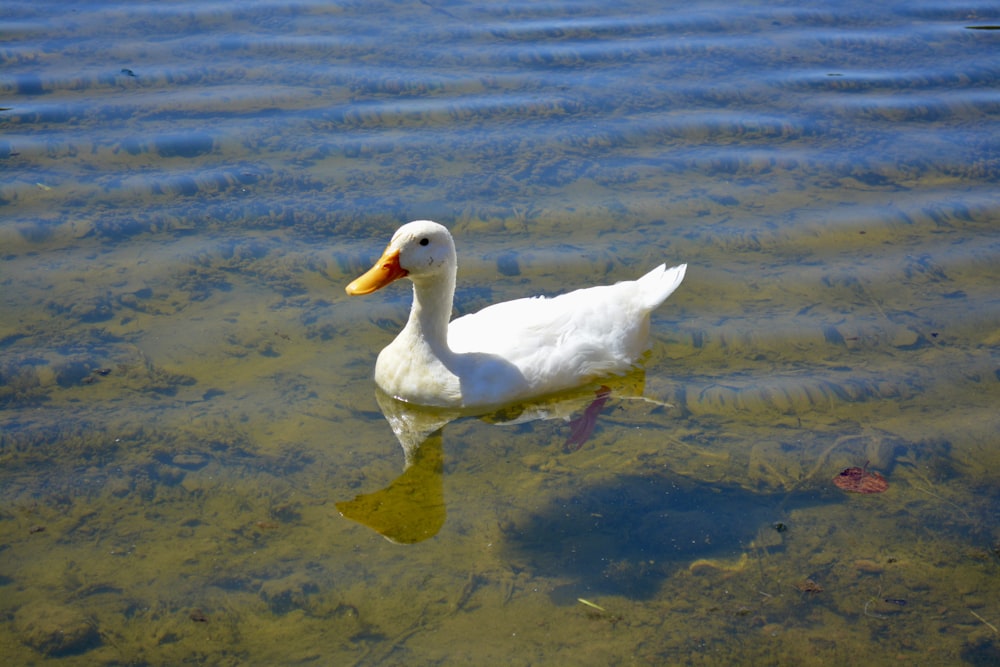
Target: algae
185, 392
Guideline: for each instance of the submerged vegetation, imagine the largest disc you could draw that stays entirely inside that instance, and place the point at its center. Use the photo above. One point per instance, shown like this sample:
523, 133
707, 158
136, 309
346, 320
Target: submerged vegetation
189, 436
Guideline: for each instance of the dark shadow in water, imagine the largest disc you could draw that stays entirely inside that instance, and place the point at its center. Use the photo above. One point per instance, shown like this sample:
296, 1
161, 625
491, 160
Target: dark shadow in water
626, 535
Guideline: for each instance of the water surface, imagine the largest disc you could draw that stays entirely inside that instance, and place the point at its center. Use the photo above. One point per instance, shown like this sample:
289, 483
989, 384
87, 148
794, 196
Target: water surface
186, 400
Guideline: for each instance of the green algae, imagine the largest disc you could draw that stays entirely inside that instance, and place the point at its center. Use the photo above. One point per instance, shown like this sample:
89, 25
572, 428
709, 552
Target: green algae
185, 393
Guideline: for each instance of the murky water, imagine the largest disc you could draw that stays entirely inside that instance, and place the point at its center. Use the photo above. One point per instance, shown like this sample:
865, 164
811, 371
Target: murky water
196, 468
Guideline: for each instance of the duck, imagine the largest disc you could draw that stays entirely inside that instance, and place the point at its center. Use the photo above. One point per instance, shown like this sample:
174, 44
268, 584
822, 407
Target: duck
510, 351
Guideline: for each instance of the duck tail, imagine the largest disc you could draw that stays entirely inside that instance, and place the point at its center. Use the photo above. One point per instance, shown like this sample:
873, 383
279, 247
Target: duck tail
660, 283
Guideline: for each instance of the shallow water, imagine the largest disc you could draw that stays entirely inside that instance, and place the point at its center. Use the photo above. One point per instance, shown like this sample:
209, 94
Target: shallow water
186, 401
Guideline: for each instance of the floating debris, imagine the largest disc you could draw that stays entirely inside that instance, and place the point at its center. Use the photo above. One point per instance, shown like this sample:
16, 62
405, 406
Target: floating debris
868, 566
590, 604
704, 565
809, 586
859, 480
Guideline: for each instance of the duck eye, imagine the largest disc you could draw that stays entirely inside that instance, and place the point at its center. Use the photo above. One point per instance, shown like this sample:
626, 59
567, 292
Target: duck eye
424, 241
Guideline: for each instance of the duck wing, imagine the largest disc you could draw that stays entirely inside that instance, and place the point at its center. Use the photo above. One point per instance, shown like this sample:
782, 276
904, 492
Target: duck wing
561, 341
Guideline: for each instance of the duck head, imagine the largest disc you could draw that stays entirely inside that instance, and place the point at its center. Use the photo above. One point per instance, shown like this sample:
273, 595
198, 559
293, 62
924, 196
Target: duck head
421, 251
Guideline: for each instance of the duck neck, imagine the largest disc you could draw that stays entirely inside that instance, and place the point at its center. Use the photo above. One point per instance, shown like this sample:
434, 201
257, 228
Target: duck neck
431, 311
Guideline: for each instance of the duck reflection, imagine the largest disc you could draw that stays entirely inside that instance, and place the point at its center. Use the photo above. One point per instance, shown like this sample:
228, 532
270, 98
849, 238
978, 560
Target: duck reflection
412, 508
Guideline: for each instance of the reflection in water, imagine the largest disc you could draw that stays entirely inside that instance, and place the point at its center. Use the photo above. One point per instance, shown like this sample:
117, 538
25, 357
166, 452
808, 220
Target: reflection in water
412, 509
618, 535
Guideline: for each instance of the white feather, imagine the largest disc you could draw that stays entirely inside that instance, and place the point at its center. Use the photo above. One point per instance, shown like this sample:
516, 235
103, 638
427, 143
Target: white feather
513, 350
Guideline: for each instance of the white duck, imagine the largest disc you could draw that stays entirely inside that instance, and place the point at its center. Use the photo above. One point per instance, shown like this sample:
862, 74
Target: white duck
509, 351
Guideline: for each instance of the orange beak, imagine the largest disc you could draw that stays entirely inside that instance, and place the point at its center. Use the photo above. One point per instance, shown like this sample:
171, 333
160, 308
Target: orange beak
386, 270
